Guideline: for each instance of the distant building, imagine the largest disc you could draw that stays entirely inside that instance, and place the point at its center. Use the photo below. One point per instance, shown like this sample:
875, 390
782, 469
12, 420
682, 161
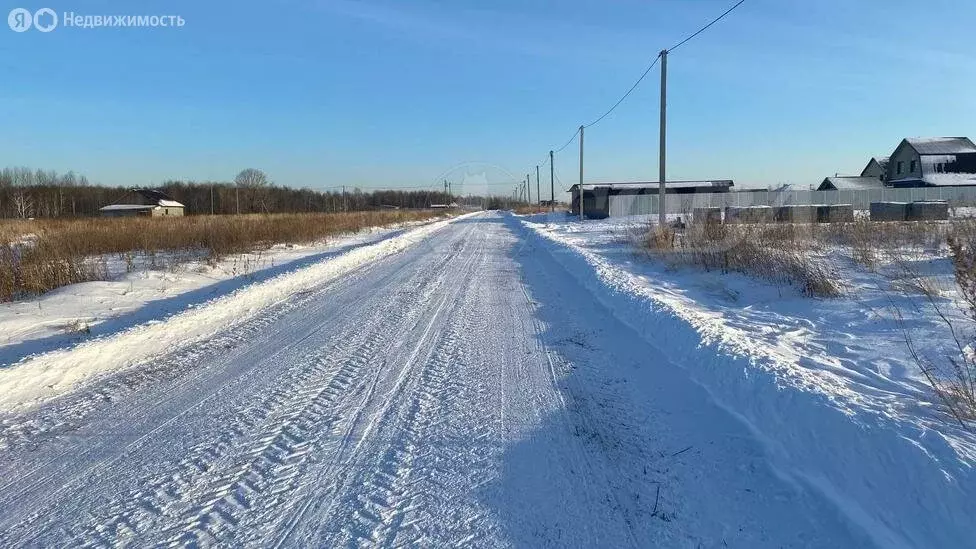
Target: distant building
877, 168
915, 162
143, 202
930, 162
850, 182
597, 197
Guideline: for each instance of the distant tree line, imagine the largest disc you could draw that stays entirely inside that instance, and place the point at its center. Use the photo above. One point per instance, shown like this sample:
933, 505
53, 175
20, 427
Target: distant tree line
28, 193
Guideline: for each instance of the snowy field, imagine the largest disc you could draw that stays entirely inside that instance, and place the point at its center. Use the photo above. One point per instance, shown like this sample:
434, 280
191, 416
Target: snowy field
492, 380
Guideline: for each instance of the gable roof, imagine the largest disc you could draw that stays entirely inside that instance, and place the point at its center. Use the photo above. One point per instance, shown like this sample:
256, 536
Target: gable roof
940, 145
881, 161
144, 198
845, 182
158, 197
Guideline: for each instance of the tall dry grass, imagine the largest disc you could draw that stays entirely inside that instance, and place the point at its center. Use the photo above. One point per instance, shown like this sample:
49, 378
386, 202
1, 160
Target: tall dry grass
37, 256
795, 253
775, 252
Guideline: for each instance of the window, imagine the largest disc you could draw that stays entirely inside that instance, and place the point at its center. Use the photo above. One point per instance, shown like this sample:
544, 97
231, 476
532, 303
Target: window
899, 168
912, 167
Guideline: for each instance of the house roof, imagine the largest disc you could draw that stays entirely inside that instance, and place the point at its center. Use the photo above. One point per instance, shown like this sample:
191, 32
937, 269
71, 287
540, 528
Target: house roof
120, 207
882, 161
844, 183
717, 183
158, 197
938, 180
153, 197
941, 145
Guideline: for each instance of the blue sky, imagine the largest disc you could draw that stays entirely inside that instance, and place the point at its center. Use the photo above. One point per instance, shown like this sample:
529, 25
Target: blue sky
393, 94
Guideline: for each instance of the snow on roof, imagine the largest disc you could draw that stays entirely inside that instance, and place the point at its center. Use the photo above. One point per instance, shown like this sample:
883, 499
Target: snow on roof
117, 207
154, 197
941, 145
852, 182
882, 160
158, 197
941, 179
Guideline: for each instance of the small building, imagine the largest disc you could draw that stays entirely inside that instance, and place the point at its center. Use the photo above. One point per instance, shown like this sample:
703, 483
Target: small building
877, 168
144, 203
850, 183
597, 197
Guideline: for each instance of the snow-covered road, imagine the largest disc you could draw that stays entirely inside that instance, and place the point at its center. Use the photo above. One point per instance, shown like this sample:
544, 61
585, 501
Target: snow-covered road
463, 391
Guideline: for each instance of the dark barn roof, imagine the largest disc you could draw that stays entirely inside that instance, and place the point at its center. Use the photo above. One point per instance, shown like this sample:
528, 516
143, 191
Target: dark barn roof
651, 187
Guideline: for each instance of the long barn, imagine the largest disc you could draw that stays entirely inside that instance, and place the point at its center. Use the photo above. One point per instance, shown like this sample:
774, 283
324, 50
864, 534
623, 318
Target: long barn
600, 199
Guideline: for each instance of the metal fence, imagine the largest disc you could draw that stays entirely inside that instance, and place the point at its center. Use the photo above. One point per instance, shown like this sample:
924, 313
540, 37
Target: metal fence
860, 199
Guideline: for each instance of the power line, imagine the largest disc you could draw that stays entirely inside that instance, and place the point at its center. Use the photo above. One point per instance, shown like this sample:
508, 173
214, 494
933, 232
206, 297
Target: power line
632, 88
571, 139
701, 30
644, 75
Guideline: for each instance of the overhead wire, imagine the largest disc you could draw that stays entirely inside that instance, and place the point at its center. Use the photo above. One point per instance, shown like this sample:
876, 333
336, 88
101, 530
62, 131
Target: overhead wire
644, 75
701, 30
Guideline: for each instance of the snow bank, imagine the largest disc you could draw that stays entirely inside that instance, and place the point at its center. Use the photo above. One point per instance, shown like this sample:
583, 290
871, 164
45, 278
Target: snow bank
144, 289
903, 483
39, 378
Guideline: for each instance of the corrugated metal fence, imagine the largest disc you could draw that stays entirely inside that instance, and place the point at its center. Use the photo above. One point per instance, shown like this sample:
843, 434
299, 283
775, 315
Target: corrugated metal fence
861, 199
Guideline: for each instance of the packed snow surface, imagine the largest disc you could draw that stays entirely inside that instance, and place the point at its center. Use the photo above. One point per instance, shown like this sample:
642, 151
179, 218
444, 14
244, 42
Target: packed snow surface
489, 381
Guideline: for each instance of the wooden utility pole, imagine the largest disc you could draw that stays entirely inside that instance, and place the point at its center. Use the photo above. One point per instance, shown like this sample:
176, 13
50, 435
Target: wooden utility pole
661, 217
581, 175
211, 201
528, 189
552, 185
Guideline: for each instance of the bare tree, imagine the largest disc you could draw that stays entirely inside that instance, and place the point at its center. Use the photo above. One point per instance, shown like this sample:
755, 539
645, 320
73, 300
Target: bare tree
251, 178
253, 181
23, 204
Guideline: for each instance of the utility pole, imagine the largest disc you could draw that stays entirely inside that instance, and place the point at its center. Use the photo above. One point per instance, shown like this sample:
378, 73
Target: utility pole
581, 176
344, 207
528, 189
552, 185
538, 194
661, 217
211, 200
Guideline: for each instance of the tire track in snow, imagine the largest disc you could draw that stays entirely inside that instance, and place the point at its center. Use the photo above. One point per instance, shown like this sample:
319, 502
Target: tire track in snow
203, 458
254, 461
376, 440
419, 488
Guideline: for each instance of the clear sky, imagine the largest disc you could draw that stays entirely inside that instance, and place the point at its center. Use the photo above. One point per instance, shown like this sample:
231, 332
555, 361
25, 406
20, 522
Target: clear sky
394, 93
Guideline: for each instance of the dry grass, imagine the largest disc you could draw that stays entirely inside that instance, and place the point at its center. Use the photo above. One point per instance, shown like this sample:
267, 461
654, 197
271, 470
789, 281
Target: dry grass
796, 253
40, 255
780, 253
530, 209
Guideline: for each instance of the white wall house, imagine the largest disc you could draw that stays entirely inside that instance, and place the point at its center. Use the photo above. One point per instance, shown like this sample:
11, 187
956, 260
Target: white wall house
143, 202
